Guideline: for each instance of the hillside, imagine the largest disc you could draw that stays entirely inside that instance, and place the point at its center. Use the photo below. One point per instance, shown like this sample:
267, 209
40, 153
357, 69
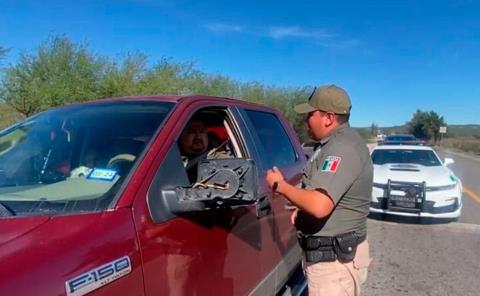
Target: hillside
453, 131
466, 130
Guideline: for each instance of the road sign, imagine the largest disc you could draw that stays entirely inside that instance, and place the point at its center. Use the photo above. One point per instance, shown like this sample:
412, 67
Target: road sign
443, 129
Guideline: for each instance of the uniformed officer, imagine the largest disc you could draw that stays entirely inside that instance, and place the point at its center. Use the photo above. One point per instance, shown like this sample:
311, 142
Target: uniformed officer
333, 201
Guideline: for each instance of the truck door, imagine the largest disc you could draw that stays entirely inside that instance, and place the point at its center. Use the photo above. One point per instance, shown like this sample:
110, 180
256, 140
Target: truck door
275, 144
202, 252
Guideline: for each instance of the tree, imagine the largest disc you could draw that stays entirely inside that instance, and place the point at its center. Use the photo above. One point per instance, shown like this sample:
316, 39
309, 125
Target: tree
167, 77
426, 125
3, 52
374, 129
60, 72
124, 78
365, 134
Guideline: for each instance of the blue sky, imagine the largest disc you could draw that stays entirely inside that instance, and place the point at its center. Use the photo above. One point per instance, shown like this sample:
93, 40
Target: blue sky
393, 57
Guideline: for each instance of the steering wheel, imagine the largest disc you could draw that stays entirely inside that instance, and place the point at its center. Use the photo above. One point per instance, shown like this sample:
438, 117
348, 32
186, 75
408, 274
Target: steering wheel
120, 159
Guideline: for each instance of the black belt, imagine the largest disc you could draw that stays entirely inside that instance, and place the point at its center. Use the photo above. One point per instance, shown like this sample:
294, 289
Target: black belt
330, 248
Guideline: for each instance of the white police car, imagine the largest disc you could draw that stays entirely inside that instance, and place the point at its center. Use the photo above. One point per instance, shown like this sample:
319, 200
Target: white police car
413, 181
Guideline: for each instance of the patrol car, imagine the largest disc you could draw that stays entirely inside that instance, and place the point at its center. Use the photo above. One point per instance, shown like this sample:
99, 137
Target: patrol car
413, 181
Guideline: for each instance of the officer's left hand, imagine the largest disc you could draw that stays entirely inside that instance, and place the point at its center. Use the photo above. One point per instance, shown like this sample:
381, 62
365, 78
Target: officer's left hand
273, 175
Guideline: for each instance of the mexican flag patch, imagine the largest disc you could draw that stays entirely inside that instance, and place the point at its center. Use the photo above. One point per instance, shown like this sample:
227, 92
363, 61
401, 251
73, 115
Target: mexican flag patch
331, 164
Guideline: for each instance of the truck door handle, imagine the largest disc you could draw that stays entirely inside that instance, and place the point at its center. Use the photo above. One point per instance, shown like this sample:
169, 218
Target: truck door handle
263, 206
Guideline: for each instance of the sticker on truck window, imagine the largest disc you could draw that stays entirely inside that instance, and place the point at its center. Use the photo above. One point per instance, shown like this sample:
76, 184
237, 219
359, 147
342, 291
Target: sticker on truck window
98, 277
102, 174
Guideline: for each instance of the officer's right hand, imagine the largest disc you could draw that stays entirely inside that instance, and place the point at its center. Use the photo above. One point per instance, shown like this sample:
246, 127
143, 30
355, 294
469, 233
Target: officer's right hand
274, 175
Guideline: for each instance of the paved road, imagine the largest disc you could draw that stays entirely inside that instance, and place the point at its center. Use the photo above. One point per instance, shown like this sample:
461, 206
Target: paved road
411, 258
467, 168
414, 259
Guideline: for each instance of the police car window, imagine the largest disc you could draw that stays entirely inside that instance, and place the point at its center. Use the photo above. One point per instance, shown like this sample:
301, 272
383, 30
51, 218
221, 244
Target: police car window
273, 144
421, 157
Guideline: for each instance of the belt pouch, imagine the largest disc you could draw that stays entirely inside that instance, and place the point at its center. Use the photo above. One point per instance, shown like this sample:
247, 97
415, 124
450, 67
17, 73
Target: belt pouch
345, 246
318, 249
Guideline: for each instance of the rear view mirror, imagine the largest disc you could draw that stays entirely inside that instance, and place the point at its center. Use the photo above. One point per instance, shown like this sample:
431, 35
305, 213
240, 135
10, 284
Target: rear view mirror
223, 182
448, 161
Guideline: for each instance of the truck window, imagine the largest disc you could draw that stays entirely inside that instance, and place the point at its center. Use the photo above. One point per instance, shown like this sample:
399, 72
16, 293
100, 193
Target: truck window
273, 143
179, 168
206, 135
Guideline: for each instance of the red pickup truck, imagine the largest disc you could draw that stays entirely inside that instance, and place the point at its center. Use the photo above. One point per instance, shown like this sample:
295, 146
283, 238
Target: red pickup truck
95, 199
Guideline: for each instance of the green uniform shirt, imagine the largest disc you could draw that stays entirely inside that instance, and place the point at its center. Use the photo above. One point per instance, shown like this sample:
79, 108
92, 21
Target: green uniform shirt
341, 166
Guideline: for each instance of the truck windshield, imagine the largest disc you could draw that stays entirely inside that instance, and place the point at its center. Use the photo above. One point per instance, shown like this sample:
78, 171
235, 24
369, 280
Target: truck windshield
74, 158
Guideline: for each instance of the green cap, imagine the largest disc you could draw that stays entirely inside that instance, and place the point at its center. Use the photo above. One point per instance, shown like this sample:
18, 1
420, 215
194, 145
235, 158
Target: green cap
328, 98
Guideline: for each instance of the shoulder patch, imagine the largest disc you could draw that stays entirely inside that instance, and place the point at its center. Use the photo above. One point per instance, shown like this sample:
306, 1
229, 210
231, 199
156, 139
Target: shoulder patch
331, 164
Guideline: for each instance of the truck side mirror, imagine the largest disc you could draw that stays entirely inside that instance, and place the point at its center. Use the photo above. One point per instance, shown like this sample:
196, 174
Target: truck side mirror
223, 182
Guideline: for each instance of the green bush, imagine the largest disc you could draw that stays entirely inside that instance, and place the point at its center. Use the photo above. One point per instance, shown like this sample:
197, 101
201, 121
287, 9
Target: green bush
62, 72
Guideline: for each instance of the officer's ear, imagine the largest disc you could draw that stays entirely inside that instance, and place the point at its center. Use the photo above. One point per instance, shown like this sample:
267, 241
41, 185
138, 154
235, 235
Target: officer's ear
331, 119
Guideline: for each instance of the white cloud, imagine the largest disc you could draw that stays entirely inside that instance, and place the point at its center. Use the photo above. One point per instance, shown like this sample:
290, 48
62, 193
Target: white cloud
224, 28
339, 44
298, 32
320, 36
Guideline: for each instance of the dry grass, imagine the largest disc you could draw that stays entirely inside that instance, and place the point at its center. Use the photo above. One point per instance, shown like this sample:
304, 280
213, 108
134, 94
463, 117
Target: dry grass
466, 144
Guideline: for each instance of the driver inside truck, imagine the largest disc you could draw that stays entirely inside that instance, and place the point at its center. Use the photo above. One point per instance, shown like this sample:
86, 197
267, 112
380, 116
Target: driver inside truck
197, 143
